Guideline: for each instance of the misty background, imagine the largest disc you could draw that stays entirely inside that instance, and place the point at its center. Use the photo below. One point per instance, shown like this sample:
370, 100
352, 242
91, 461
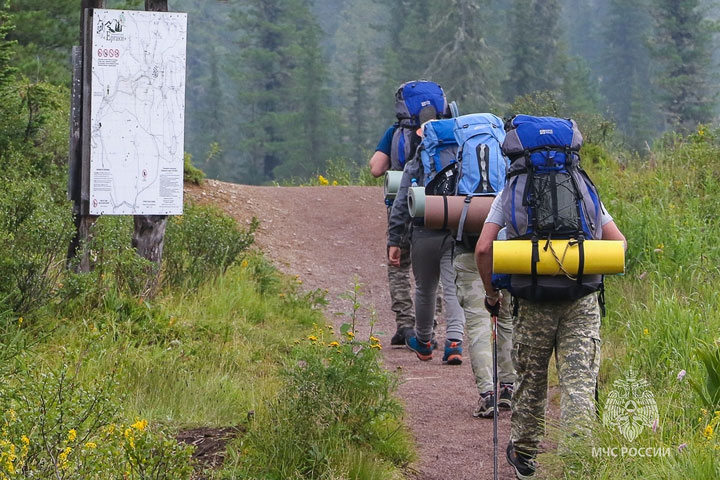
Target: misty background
276, 89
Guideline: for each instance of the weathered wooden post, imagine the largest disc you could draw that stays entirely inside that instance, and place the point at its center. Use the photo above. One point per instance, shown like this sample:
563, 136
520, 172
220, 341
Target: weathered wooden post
78, 161
149, 233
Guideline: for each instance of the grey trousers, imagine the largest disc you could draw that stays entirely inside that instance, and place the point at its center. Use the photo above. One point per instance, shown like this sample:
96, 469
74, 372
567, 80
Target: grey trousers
432, 252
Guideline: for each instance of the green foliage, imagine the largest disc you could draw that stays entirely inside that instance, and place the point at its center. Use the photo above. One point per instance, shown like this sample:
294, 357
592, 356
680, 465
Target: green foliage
202, 242
54, 427
682, 46
6, 46
709, 391
336, 400
191, 173
35, 230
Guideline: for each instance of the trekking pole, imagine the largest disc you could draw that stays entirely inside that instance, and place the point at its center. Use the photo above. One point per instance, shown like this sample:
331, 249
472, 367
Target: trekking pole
496, 394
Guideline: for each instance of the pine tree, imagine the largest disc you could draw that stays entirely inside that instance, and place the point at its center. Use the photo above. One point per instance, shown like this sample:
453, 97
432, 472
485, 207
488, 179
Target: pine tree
627, 78
682, 46
280, 89
534, 45
6, 47
45, 33
460, 58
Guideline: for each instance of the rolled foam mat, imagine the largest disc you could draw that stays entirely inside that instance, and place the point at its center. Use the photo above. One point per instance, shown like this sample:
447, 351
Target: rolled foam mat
601, 257
392, 183
435, 213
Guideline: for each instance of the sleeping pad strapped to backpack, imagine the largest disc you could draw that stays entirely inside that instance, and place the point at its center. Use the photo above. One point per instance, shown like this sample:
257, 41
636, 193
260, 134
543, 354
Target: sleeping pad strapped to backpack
548, 196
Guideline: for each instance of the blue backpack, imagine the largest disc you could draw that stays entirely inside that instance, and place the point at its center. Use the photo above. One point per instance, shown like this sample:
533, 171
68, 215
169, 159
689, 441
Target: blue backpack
482, 164
463, 156
415, 103
549, 196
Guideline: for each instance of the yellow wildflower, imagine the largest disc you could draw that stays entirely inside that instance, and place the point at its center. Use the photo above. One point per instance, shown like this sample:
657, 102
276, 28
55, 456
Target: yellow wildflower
646, 332
335, 183
312, 338
25, 440
374, 339
63, 458
351, 334
708, 432
376, 345
20, 320
701, 131
333, 344
140, 425
91, 445
72, 435
130, 437
244, 264
322, 180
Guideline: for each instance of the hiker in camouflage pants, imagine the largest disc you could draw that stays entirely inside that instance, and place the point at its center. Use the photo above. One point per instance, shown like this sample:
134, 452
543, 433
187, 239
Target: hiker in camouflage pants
478, 328
400, 295
570, 327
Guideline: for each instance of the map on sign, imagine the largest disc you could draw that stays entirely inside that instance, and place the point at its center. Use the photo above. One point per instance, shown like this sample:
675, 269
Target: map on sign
137, 112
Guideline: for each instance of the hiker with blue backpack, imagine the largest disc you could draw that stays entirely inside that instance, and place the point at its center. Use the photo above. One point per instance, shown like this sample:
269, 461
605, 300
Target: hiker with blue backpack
415, 103
481, 172
547, 197
431, 251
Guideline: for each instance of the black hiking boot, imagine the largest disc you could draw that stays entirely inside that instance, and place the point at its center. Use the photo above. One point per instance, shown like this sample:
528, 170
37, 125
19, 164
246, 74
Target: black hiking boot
524, 465
400, 335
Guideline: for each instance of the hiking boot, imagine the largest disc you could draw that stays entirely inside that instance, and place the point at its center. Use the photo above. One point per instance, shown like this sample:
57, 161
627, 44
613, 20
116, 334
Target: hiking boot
505, 398
423, 350
453, 352
524, 465
485, 406
400, 334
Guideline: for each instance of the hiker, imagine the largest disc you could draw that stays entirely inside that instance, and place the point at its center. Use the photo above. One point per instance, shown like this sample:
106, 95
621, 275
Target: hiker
553, 312
431, 252
482, 133
396, 146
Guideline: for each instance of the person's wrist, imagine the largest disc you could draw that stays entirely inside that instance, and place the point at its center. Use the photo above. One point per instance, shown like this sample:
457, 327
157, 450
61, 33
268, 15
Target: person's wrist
494, 296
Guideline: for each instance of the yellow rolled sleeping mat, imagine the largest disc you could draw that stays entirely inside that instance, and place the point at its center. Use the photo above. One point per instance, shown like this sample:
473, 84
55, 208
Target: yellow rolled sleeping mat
559, 257
445, 212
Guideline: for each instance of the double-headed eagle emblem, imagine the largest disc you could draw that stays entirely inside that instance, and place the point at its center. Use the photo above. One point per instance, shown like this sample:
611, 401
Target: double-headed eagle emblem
630, 407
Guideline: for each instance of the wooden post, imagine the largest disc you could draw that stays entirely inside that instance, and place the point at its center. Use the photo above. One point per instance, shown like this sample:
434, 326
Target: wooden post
78, 161
149, 233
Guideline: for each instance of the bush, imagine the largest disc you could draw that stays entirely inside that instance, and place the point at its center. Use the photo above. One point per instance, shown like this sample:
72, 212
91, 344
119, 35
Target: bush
337, 399
34, 234
202, 242
53, 427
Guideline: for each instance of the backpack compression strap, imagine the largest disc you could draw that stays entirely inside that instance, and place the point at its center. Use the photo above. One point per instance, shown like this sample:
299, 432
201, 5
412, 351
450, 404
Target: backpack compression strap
463, 216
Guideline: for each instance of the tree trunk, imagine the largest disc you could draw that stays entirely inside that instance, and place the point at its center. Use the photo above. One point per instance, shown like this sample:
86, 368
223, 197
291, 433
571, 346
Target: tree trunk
149, 233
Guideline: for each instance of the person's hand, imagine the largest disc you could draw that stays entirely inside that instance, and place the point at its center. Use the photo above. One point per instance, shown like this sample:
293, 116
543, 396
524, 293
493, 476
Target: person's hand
394, 255
492, 302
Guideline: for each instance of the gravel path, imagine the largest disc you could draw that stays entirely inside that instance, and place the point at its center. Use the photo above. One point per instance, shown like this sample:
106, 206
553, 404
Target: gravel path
331, 235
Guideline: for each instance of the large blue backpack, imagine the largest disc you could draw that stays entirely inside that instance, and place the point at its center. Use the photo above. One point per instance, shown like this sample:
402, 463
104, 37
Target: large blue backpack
463, 156
549, 196
415, 103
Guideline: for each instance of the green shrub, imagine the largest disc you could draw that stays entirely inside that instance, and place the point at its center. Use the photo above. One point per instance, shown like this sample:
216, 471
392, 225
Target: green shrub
35, 231
191, 173
202, 242
337, 399
54, 427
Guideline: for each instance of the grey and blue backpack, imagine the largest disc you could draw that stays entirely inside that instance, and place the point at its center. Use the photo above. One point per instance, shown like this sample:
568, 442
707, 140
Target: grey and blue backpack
415, 103
549, 196
463, 156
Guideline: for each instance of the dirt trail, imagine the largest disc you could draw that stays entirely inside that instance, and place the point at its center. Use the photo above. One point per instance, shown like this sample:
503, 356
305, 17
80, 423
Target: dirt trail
329, 235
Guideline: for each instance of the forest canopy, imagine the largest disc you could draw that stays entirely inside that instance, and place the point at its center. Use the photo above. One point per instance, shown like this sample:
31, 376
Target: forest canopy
278, 88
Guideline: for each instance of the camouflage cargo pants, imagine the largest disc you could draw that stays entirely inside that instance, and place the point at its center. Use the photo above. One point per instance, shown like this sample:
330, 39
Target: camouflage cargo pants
400, 294
572, 329
478, 327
